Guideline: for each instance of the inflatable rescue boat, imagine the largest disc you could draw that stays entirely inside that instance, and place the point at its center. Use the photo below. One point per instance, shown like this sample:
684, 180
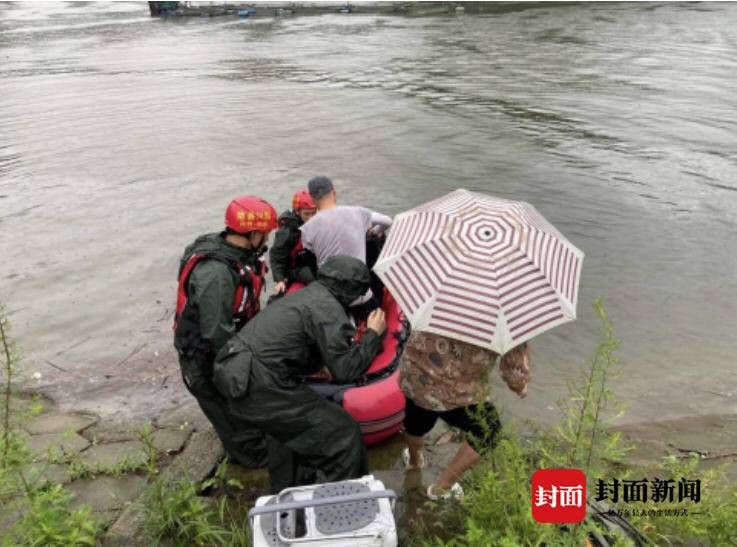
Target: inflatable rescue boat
375, 400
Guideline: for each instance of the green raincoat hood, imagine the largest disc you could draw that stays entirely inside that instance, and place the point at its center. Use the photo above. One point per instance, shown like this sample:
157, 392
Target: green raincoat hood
345, 277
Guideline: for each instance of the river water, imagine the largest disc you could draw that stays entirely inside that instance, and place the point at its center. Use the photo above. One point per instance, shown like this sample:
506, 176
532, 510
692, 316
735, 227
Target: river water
122, 137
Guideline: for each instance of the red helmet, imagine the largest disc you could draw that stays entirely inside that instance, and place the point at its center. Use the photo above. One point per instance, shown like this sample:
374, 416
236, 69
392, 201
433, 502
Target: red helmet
302, 200
250, 214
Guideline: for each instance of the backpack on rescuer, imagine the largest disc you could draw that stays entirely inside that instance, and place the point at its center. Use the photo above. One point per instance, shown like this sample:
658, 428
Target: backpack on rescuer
299, 257
187, 337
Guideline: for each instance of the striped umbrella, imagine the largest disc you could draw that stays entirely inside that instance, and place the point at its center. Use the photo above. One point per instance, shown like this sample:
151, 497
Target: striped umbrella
480, 269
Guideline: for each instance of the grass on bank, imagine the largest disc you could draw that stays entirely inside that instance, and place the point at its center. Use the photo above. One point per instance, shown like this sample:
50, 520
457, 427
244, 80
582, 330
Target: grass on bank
47, 518
176, 513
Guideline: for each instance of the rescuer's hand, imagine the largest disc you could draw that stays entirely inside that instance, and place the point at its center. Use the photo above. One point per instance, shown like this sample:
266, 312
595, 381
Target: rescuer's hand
377, 321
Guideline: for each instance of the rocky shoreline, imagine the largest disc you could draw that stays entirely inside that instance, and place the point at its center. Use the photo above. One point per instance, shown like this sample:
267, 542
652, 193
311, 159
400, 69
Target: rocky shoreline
188, 447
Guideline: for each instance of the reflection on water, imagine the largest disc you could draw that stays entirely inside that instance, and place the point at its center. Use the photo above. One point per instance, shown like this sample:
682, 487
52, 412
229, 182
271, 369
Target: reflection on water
122, 136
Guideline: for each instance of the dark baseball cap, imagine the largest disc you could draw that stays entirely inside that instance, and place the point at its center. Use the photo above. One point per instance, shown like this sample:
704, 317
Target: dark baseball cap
320, 187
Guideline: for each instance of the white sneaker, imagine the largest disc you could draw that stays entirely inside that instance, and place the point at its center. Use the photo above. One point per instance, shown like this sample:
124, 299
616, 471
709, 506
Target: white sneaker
405, 459
456, 491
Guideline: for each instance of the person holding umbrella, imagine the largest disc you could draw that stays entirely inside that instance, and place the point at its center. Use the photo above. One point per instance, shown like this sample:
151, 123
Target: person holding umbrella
447, 379
477, 277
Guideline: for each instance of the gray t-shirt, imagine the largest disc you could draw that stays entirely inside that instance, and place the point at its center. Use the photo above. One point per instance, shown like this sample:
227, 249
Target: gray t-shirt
337, 231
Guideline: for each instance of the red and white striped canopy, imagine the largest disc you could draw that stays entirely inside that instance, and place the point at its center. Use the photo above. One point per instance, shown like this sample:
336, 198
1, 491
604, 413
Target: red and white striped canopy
480, 269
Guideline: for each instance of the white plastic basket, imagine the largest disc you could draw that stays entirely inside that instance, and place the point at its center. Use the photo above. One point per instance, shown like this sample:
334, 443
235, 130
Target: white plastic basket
347, 513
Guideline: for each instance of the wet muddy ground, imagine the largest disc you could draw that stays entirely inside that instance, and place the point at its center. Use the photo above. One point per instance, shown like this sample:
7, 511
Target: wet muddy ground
191, 448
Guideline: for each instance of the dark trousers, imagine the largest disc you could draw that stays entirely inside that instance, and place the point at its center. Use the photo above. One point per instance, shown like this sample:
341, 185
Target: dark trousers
243, 444
480, 422
305, 432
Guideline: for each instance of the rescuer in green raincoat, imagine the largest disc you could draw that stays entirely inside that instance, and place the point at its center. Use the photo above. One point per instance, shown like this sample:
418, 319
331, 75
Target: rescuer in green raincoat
220, 281
260, 371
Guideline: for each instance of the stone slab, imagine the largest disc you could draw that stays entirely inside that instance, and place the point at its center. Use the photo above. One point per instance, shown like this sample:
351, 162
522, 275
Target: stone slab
170, 440
129, 529
113, 433
40, 473
106, 493
197, 461
108, 456
187, 416
59, 443
59, 423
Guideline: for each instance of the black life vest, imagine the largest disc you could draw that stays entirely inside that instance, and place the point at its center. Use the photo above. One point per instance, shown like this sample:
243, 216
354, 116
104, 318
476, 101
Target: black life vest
187, 337
294, 254
299, 257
